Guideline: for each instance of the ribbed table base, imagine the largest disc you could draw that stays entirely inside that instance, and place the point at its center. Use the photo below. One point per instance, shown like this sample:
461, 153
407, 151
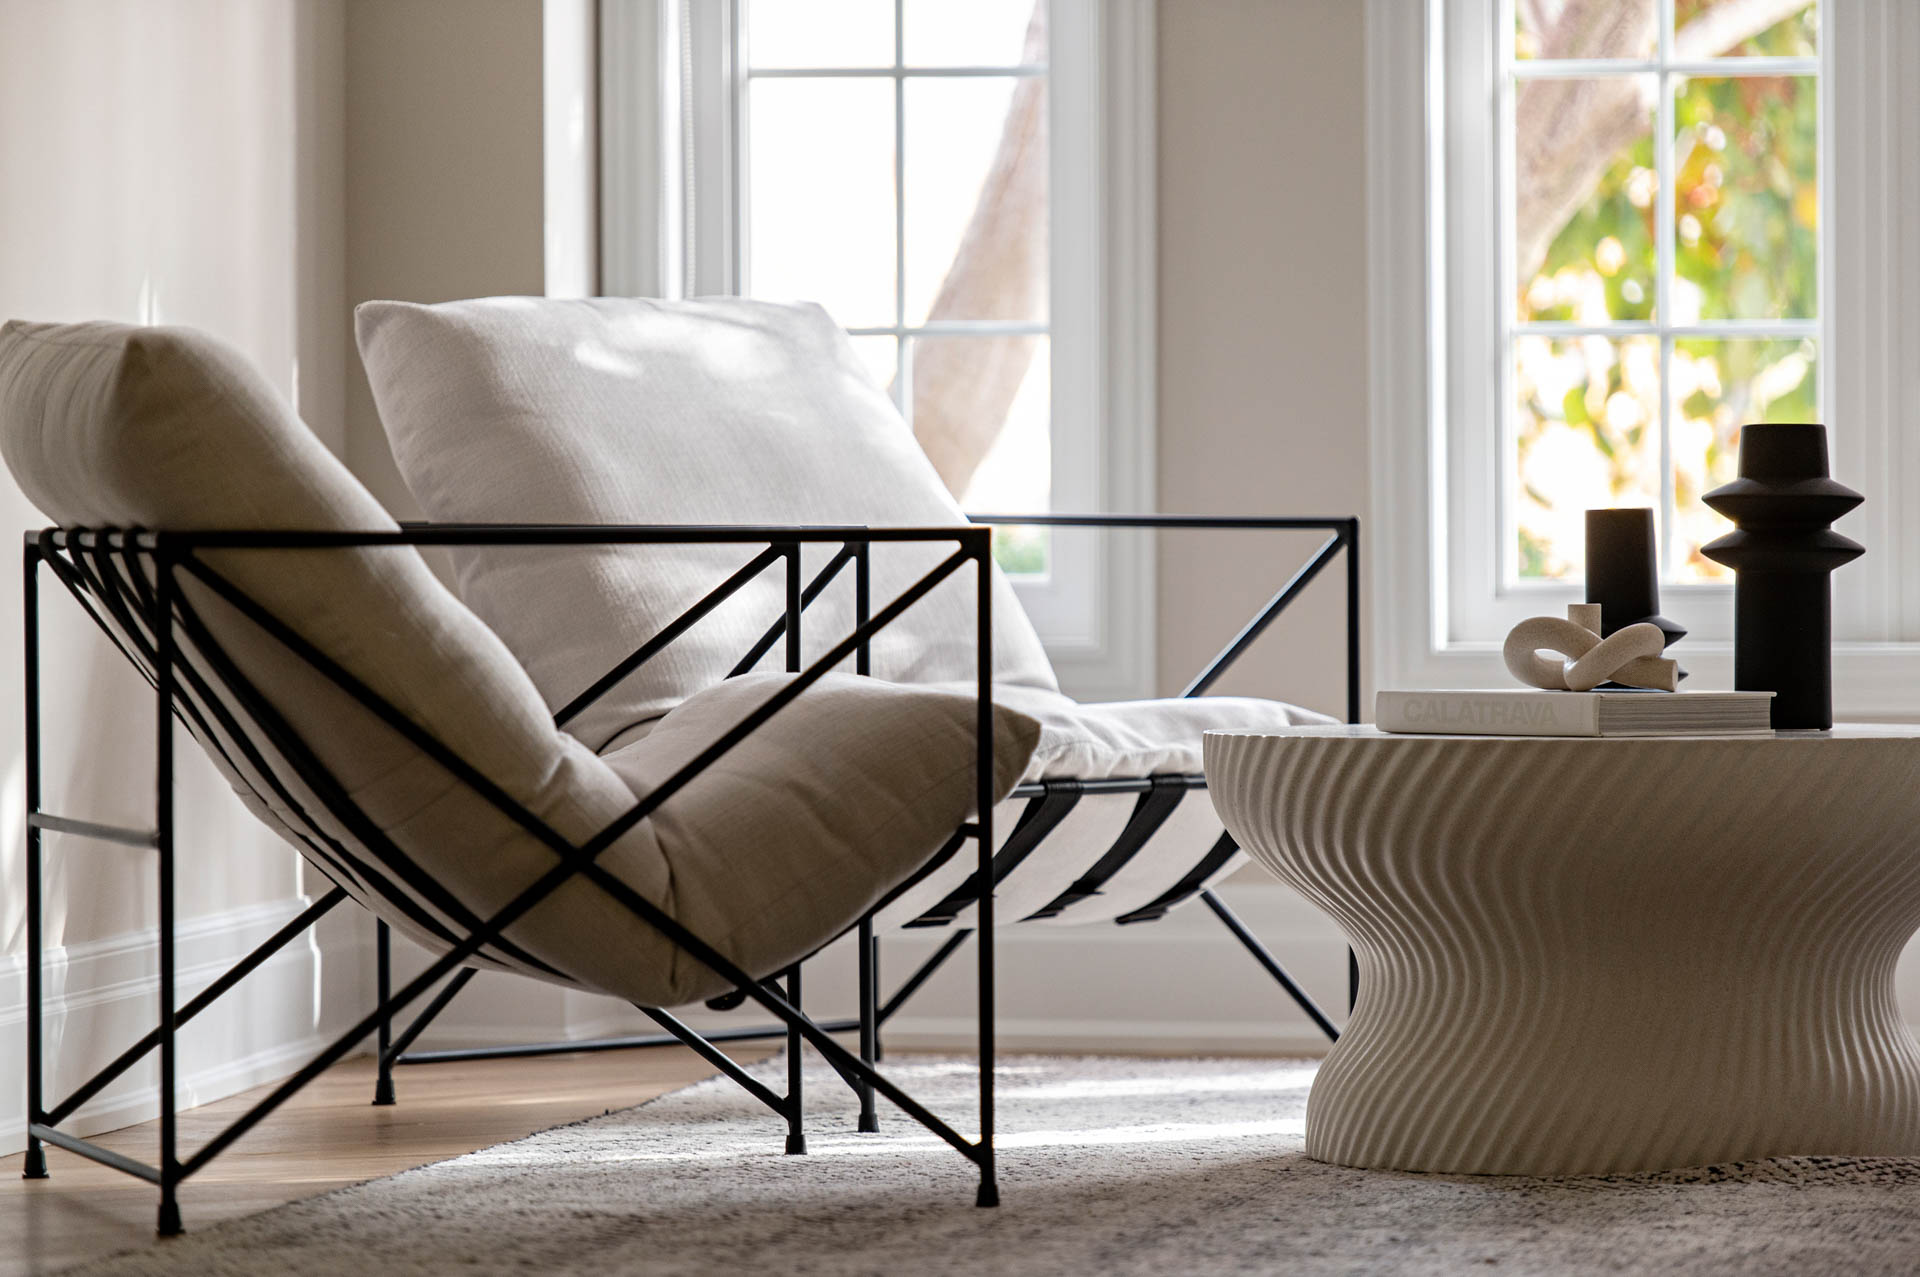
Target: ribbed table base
1593, 956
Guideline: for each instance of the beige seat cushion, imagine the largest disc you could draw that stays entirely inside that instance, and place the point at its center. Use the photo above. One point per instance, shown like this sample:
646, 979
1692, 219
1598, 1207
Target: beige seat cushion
844, 794
1093, 742
1136, 738
625, 410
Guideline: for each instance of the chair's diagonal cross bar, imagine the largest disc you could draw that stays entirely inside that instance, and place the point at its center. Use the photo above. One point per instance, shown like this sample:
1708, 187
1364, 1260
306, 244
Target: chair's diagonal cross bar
408, 1035
579, 859
923, 973
1240, 642
1270, 964
1346, 535
821, 580
668, 633
780, 700
706, 1050
205, 998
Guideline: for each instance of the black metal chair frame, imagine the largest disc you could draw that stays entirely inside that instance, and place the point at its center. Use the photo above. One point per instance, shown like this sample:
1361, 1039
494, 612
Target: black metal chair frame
128, 582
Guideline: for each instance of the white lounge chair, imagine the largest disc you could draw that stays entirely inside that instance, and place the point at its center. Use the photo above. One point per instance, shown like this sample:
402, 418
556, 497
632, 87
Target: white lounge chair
650, 828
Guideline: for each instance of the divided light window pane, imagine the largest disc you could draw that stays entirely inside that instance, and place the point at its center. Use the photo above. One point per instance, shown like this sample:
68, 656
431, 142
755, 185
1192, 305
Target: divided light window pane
820, 209
903, 185
1710, 287
1583, 29
1746, 212
1583, 241
797, 34
969, 33
958, 132
1587, 434
1795, 36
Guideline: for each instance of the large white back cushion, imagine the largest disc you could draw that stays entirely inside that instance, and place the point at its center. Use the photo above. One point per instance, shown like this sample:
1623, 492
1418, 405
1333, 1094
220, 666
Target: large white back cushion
619, 410
767, 855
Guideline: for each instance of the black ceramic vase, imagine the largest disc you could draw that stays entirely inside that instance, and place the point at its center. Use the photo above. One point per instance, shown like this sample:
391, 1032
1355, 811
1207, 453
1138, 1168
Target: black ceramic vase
1622, 576
1782, 552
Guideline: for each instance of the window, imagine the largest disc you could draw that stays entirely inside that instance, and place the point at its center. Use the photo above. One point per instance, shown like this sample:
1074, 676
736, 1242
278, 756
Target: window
1662, 206
966, 185
1603, 236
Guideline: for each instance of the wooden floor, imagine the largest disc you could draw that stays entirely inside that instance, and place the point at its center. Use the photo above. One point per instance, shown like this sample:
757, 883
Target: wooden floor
326, 1136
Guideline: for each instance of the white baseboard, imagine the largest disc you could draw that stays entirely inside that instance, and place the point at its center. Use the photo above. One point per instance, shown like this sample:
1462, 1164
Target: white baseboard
102, 995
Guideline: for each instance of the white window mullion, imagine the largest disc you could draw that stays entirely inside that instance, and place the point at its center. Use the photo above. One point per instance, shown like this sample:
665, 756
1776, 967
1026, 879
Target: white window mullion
1582, 68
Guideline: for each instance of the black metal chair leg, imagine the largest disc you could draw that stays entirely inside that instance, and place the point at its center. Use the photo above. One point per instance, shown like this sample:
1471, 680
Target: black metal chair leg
35, 1164
168, 1223
796, 1110
869, 1022
383, 960
1353, 980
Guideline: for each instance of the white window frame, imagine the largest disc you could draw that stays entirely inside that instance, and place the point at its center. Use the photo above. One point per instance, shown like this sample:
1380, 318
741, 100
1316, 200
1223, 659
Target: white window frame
672, 116
1433, 95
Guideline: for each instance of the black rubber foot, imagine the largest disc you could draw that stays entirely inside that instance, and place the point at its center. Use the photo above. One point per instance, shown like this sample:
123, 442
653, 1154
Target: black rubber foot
869, 1123
796, 1144
383, 1092
35, 1167
169, 1224
989, 1194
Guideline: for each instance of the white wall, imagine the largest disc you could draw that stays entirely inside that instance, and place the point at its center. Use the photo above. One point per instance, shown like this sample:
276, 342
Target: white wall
1263, 350
445, 192
166, 161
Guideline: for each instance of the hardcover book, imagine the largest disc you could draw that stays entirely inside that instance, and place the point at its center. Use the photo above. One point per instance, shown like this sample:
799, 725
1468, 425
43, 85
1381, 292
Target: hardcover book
1528, 712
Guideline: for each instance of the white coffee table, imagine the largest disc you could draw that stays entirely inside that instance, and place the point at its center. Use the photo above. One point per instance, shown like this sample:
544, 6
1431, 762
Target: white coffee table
1581, 956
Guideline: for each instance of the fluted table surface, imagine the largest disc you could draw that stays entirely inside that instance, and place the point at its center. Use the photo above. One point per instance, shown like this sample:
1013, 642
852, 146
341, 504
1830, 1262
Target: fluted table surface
1593, 955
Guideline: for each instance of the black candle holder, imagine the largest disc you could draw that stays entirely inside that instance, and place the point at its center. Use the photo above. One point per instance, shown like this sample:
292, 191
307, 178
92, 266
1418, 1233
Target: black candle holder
1623, 576
1782, 552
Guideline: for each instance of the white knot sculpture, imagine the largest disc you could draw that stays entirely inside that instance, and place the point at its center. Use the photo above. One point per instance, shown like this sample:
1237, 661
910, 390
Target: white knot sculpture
1630, 655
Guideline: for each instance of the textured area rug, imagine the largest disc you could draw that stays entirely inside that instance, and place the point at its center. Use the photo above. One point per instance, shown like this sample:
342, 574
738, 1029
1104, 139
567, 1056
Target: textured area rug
1121, 1166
